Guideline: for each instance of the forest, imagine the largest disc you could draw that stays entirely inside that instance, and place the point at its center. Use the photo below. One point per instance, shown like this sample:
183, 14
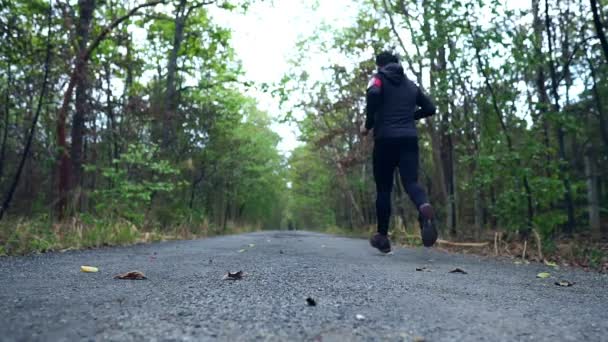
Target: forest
130, 120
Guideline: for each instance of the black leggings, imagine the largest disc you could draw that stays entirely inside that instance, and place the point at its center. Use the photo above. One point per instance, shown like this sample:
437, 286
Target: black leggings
390, 153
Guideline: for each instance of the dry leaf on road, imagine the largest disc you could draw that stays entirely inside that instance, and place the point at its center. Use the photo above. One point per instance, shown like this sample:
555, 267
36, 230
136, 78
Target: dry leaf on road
133, 275
458, 270
311, 302
234, 276
564, 283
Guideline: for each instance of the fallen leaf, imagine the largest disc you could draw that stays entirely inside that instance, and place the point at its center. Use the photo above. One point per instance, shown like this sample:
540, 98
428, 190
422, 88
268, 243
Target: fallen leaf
550, 264
418, 339
422, 269
251, 245
517, 262
458, 270
281, 251
234, 276
564, 283
133, 275
242, 250
311, 302
89, 269
360, 317
543, 275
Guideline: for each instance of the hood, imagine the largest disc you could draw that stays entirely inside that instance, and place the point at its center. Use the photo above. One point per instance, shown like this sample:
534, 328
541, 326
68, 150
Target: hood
393, 72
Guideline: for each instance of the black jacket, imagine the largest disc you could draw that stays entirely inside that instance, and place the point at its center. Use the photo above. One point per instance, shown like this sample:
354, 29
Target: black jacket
391, 104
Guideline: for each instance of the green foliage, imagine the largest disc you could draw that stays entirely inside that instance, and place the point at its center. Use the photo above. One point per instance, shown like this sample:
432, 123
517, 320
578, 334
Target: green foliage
310, 194
131, 192
498, 116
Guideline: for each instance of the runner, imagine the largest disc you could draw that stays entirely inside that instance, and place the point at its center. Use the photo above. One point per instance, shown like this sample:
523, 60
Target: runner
392, 100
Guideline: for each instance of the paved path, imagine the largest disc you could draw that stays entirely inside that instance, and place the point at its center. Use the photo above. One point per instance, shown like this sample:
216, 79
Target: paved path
47, 298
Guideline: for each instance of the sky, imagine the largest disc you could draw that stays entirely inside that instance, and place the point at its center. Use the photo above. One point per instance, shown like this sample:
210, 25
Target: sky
264, 39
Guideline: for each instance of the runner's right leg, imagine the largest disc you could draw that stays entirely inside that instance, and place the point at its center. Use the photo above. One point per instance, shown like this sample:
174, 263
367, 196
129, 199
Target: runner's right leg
408, 169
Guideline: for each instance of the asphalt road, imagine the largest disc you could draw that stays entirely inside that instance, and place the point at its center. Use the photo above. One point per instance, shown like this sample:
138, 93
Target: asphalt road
361, 295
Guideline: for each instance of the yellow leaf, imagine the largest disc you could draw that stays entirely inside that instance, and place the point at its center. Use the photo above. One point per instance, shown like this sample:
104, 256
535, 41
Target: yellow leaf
550, 264
89, 269
543, 275
242, 250
251, 245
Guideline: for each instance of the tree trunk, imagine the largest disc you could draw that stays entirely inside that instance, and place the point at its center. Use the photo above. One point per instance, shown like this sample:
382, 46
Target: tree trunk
170, 104
593, 194
440, 172
7, 112
83, 29
113, 135
569, 228
599, 105
478, 209
447, 146
541, 88
599, 28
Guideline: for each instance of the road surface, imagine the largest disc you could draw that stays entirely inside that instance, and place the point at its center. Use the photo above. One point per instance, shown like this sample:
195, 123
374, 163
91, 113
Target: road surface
361, 295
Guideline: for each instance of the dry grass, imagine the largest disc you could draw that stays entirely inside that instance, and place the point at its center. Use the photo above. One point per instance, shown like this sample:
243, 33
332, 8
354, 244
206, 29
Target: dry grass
22, 237
579, 251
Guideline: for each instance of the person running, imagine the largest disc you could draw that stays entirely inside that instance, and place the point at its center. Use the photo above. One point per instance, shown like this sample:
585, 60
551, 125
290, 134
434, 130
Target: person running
392, 100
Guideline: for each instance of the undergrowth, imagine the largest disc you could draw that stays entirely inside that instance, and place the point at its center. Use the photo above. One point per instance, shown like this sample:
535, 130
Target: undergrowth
577, 251
20, 237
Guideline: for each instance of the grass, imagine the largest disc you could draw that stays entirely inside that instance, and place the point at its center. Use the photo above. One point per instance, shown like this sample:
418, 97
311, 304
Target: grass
579, 251
21, 237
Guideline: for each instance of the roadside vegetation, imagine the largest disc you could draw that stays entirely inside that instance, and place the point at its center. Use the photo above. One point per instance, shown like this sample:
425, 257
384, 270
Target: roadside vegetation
517, 154
132, 121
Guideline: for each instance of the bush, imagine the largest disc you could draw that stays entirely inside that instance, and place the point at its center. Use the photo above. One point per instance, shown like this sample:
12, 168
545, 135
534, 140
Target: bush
135, 177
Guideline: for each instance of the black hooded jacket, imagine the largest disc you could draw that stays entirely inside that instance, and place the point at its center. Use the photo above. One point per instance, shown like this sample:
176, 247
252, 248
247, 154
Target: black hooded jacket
391, 104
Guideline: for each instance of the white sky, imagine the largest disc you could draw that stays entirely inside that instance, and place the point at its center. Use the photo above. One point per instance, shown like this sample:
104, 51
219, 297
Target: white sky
264, 39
